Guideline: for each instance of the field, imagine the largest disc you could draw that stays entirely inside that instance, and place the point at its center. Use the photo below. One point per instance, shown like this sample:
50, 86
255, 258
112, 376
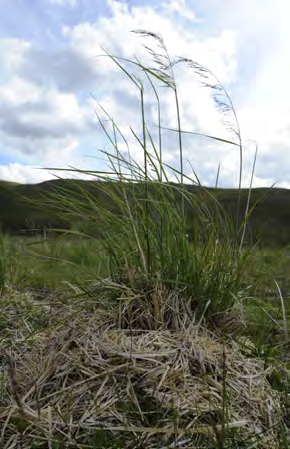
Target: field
35, 262
141, 313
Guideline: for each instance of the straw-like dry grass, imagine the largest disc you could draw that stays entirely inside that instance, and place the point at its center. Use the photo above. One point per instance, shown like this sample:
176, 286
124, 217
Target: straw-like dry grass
86, 382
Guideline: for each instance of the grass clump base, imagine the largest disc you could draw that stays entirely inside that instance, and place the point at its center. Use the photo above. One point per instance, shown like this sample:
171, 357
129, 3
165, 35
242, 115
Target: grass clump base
89, 383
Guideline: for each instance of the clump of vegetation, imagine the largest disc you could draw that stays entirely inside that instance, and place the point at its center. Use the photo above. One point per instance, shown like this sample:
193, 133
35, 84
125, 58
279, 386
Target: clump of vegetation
146, 356
145, 231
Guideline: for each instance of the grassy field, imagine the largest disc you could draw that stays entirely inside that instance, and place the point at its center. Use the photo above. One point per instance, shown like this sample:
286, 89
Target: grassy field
38, 262
152, 321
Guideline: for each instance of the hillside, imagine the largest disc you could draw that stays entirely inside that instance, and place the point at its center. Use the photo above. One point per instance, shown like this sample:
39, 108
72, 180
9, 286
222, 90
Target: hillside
23, 208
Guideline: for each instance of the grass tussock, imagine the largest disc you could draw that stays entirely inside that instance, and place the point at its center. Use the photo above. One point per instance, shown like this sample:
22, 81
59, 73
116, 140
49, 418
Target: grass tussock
138, 358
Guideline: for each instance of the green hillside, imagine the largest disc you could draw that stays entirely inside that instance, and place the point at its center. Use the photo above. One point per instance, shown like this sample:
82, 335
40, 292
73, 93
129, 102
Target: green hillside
24, 208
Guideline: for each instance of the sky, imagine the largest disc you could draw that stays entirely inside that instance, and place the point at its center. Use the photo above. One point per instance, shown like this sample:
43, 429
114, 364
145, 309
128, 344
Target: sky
54, 76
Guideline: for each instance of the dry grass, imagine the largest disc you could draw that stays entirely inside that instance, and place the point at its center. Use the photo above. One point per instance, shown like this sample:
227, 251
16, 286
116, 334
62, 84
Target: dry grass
85, 382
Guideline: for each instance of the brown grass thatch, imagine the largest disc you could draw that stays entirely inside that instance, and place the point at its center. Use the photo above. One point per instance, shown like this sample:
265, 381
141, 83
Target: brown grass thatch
88, 383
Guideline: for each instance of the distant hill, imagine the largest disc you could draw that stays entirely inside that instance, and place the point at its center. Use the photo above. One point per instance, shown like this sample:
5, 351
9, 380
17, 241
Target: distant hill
22, 209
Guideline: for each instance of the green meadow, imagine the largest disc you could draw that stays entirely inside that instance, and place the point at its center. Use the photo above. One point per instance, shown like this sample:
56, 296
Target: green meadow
137, 312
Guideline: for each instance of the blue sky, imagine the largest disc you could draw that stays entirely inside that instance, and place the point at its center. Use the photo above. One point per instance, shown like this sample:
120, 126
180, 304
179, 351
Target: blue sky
49, 68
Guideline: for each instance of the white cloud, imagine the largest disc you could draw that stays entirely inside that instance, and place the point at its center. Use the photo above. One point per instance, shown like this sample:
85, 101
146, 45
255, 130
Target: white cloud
121, 98
71, 3
43, 98
44, 158
24, 174
180, 7
113, 33
13, 52
31, 111
31, 174
39, 106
